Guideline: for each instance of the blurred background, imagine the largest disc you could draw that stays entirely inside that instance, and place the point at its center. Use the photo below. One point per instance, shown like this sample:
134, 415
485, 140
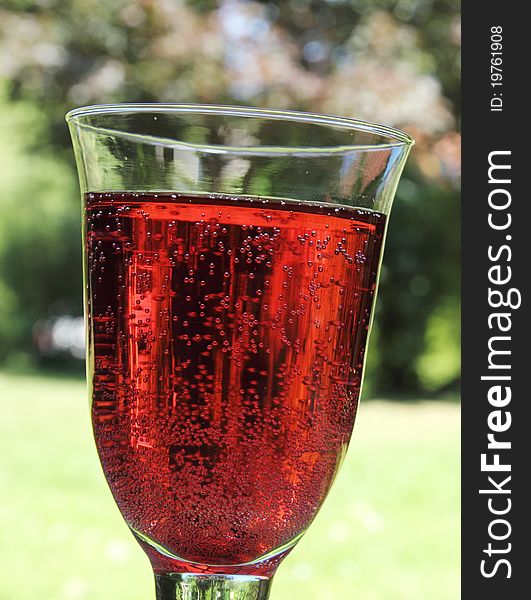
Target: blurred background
390, 527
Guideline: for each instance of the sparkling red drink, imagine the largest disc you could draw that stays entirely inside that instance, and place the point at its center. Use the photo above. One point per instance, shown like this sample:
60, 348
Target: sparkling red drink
226, 345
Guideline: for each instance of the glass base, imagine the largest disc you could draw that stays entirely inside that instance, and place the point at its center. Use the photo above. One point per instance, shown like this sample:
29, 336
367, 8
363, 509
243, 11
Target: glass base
187, 586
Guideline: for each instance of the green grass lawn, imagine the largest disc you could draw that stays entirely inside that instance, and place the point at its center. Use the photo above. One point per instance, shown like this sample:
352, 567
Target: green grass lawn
389, 529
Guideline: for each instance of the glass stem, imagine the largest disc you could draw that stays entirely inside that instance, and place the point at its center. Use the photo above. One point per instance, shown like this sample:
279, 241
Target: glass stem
187, 586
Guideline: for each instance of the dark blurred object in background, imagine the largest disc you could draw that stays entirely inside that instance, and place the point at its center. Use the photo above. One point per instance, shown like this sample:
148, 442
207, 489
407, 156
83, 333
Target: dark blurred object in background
392, 61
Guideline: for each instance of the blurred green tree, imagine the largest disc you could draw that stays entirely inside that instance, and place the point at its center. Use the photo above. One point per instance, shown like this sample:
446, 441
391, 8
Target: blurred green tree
39, 230
393, 61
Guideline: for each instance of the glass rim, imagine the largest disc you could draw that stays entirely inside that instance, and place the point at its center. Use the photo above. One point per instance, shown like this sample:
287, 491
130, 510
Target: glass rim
396, 137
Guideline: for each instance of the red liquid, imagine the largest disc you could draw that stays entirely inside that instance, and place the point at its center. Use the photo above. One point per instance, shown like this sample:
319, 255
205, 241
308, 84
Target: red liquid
226, 351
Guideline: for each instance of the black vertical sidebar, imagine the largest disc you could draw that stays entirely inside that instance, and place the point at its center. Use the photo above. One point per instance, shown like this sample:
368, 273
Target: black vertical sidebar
496, 426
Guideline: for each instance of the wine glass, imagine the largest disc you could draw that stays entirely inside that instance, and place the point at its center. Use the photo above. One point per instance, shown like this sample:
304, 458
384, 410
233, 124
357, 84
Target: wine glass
231, 265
